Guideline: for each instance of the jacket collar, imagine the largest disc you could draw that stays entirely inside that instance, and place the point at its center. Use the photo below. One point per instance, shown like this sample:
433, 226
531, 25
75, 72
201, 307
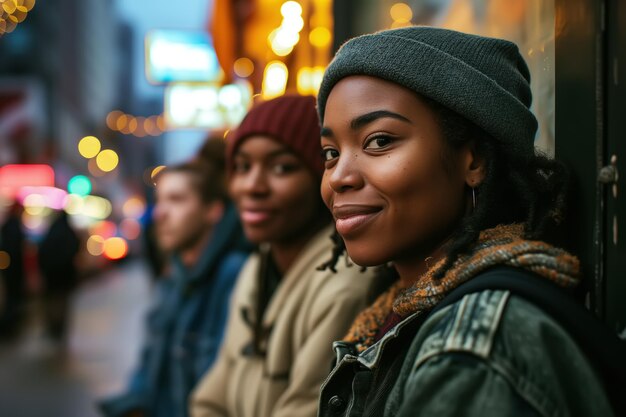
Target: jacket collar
227, 235
370, 357
308, 260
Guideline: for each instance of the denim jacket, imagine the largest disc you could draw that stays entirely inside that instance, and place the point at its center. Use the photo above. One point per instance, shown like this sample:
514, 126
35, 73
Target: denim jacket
185, 328
489, 354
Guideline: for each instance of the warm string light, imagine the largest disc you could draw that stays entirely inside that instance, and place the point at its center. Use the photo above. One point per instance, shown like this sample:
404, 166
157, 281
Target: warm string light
274, 80
283, 39
138, 126
12, 13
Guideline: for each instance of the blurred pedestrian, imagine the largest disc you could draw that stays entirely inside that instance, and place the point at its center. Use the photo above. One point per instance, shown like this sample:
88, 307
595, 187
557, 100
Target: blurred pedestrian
197, 224
286, 312
13, 276
57, 263
153, 253
428, 139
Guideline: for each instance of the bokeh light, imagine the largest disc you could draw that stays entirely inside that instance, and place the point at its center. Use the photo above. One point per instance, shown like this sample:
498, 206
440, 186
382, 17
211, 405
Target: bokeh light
112, 119
156, 171
13, 12
95, 245
107, 160
74, 204
274, 79
92, 166
401, 13
134, 207
320, 37
150, 126
121, 123
80, 185
34, 204
132, 125
32, 222
104, 228
161, 123
309, 80
244, 67
139, 126
89, 146
130, 229
5, 259
139, 129
51, 197
293, 24
115, 248
396, 25
290, 9
230, 96
96, 207
282, 41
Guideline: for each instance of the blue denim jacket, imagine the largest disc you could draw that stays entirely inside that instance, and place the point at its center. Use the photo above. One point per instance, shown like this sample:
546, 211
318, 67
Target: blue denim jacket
185, 329
489, 354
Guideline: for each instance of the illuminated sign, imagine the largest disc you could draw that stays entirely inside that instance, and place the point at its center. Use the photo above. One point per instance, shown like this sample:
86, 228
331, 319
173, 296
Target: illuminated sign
182, 56
206, 106
15, 176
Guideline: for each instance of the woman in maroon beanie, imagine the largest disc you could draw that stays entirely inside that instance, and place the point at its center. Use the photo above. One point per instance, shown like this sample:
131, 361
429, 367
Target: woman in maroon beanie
285, 312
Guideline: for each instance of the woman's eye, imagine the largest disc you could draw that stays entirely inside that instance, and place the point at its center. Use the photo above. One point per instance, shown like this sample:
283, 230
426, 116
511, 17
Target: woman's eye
378, 142
283, 168
240, 166
329, 154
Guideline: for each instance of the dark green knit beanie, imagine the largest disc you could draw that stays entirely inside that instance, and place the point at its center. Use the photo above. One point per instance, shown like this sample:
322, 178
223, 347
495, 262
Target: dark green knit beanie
484, 79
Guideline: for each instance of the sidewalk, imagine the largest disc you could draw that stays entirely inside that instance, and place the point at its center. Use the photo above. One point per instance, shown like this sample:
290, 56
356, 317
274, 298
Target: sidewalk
105, 336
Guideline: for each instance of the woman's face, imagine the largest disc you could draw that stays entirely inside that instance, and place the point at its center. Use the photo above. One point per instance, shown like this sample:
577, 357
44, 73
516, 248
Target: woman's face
275, 194
395, 189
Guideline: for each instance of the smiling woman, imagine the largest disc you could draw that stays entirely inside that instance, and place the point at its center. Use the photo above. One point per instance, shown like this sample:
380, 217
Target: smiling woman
430, 168
392, 148
286, 311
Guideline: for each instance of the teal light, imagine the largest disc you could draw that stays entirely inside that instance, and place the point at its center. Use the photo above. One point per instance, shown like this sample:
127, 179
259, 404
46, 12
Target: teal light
80, 185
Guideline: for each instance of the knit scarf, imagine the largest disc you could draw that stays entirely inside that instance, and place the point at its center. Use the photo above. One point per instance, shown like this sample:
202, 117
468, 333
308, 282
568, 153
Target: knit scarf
503, 245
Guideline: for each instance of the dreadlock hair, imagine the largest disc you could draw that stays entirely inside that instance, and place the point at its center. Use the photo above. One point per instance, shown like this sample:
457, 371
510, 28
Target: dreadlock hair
207, 172
528, 190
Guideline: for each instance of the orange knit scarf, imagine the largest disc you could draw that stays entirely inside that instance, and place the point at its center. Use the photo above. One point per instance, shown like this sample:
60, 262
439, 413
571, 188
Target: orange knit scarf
502, 245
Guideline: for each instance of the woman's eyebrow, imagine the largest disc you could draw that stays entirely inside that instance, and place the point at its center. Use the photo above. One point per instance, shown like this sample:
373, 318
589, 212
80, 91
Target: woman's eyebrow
364, 119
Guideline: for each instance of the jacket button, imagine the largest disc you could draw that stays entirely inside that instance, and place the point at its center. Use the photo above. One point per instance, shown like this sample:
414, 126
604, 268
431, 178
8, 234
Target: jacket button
336, 403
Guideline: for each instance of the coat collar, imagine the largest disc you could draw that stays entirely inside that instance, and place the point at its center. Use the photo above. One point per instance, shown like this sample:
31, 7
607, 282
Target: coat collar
308, 260
227, 235
370, 357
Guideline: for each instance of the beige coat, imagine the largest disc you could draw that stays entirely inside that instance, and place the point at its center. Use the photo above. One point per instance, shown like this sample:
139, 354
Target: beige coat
309, 310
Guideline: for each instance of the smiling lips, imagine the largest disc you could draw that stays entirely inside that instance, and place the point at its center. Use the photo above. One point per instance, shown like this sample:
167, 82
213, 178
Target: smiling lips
350, 217
255, 217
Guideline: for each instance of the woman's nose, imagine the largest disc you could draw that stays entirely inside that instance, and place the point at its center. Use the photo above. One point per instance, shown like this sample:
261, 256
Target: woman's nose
256, 181
346, 174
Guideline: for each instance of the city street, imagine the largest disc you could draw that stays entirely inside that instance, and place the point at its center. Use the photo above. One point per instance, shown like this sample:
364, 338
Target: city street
37, 379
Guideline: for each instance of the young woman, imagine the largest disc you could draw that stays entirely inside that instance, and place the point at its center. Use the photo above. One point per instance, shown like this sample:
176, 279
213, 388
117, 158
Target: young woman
285, 312
430, 167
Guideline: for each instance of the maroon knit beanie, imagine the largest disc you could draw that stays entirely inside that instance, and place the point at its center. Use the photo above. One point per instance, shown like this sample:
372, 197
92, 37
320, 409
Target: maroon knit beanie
291, 120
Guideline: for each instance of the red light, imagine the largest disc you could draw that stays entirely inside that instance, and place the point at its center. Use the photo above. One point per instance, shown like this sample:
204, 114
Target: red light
130, 229
105, 228
13, 177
